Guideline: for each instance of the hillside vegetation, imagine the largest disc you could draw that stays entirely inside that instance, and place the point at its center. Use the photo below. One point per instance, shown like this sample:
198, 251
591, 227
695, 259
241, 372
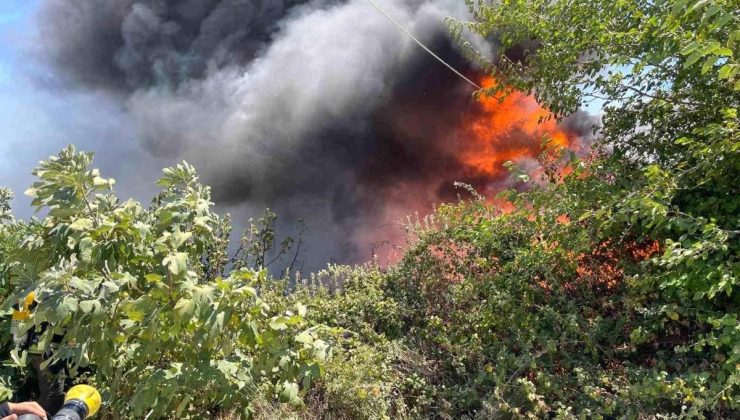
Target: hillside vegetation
610, 290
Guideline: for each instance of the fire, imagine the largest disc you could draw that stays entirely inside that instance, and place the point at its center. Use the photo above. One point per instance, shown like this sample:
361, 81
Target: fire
431, 142
506, 129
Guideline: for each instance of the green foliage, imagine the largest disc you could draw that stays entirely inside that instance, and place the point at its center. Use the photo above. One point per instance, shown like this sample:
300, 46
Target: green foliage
258, 242
666, 73
517, 324
360, 381
140, 297
6, 196
360, 384
611, 291
11, 233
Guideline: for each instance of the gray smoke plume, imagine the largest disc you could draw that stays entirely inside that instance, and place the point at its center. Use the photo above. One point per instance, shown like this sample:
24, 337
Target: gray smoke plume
272, 100
131, 44
279, 103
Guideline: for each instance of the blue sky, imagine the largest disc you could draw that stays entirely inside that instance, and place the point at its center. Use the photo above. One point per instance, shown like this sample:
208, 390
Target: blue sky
37, 121
17, 119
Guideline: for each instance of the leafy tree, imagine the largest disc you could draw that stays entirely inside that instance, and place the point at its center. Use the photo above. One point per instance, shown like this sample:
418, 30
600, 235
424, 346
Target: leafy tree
666, 72
141, 297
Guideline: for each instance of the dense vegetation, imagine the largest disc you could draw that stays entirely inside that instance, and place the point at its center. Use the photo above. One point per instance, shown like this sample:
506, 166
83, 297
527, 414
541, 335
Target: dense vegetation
611, 289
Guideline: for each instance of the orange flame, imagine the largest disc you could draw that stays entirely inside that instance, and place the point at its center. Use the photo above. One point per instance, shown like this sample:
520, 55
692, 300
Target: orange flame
471, 148
506, 129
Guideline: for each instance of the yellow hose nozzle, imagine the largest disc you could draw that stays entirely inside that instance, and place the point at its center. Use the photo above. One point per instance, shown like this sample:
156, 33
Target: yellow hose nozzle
88, 395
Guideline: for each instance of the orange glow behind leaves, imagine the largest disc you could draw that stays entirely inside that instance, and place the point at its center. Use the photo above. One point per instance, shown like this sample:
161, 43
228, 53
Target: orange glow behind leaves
507, 130
489, 132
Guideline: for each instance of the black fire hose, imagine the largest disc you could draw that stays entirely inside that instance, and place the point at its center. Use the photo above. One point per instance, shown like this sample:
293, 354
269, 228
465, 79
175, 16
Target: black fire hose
81, 402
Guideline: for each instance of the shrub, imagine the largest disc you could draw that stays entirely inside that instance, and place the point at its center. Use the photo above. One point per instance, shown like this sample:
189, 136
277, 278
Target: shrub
143, 297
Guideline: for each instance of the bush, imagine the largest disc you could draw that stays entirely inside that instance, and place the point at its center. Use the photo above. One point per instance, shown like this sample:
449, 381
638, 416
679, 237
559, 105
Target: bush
487, 315
143, 297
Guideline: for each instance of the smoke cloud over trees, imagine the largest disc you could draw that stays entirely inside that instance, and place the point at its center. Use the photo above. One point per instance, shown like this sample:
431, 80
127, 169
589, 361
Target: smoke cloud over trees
308, 107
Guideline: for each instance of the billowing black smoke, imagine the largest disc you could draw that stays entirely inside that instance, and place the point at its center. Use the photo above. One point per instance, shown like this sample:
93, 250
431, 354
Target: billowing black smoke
279, 103
132, 44
312, 108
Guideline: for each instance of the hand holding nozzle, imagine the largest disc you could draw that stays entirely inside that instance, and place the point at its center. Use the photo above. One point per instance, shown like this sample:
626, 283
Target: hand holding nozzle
81, 402
25, 409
